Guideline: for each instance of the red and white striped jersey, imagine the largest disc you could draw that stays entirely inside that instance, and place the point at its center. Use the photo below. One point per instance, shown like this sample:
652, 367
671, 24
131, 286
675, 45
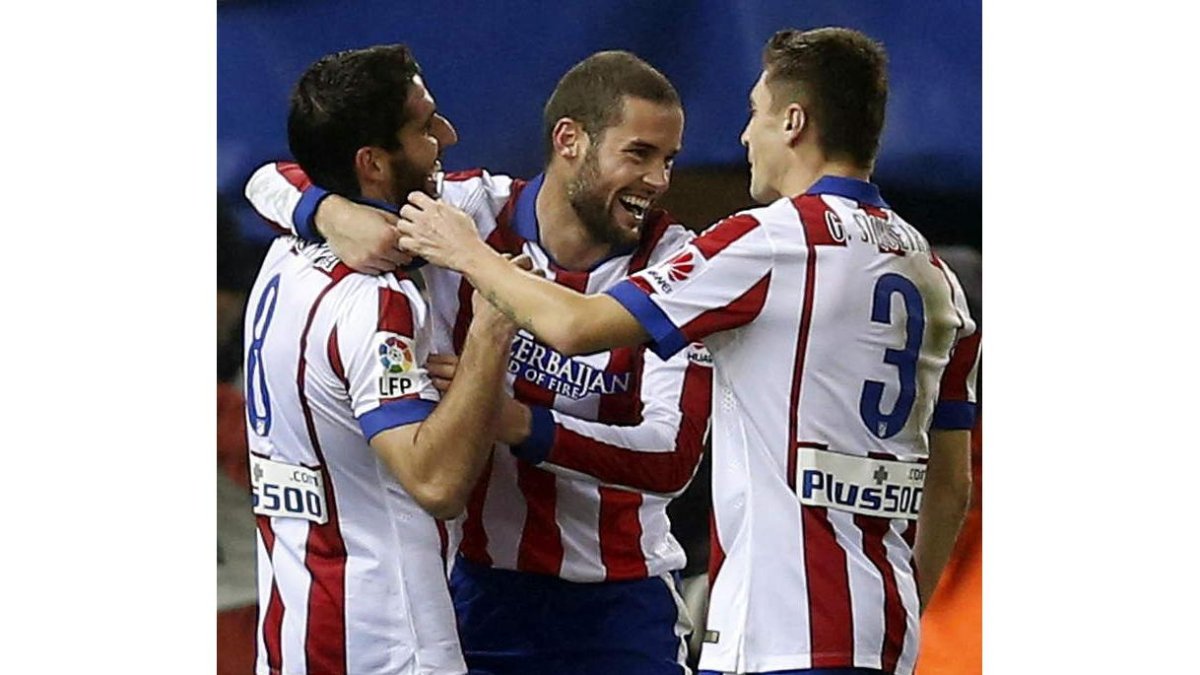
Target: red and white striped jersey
350, 568
616, 434
831, 326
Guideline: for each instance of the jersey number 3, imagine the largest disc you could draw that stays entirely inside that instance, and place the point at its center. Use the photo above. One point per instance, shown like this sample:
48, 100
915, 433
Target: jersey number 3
258, 400
886, 425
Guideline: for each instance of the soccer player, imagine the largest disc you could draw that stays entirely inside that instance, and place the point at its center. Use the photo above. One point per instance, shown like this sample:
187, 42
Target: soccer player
838, 340
566, 562
351, 461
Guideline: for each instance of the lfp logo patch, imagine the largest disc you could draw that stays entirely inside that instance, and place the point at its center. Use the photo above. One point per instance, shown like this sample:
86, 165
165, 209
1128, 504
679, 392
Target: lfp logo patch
395, 356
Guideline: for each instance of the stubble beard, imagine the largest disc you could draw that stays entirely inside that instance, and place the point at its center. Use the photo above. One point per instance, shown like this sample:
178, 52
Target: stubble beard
593, 211
406, 179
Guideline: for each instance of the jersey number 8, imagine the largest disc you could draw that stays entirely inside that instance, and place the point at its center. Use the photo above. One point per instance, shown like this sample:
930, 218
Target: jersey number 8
258, 400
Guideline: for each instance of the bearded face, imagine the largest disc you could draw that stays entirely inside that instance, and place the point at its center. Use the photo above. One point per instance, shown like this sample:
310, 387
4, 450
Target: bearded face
592, 201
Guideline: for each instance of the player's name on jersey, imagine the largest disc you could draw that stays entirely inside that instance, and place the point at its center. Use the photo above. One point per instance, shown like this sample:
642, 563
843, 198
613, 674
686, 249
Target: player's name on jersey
565, 376
870, 487
889, 236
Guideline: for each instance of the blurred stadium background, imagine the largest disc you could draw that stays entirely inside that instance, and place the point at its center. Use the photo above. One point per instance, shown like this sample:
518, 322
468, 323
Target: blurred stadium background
491, 66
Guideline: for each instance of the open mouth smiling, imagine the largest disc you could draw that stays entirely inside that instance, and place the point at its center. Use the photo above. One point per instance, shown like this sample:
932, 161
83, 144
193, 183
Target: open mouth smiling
636, 206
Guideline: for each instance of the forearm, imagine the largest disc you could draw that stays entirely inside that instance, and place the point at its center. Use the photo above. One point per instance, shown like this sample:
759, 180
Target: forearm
568, 321
944, 505
452, 445
651, 457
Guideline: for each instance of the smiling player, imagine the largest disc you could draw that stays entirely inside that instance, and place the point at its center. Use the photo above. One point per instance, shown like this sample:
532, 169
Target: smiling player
566, 563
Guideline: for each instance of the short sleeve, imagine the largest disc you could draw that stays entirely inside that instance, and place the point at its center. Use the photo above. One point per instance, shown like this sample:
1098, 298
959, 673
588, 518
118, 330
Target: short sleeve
717, 282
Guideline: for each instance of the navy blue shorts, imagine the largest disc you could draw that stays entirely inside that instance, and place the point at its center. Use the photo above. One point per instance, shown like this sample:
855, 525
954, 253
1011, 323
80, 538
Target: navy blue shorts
813, 671
517, 623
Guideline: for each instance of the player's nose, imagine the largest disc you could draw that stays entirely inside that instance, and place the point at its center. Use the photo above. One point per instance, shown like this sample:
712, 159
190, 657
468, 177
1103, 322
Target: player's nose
447, 135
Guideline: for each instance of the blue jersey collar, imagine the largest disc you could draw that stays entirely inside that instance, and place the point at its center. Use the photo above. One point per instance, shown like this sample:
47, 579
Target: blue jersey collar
525, 222
851, 188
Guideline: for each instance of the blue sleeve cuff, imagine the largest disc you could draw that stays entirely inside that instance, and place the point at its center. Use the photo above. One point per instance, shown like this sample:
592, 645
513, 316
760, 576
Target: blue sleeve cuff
395, 414
950, 415
536, 448
665, 339
306, 211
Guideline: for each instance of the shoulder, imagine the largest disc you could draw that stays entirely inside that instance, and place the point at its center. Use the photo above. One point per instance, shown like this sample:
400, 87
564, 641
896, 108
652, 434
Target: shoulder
476, 187
662, 236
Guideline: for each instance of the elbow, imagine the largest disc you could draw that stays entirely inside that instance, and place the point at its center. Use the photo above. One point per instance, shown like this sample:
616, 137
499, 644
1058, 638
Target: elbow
440, 501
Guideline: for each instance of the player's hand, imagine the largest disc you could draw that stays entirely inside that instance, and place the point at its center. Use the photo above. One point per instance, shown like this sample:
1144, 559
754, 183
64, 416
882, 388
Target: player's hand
362, 236
441, 369
438, 232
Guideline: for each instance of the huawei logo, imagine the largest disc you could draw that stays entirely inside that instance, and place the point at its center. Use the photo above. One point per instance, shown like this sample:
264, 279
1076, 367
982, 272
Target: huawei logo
681, 266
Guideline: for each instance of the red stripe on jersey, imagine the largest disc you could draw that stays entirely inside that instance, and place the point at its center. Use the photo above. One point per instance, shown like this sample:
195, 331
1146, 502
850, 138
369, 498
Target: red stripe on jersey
653, 230
882, 215
541, 548
623, 407
576, 281
895, 618
395, 314
325, 551
738, 312
474, 542
873, 211
273, 618
335, 358
716, 553
621, 535
724, 233
294, 175
464, 175
650, 471
958, 371
279, 229
810, 209
814, 218
642, 284
831, 628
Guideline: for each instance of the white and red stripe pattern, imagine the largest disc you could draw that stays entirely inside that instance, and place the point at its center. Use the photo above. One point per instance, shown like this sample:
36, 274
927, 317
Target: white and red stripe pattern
617, 433
338, 597
804, 304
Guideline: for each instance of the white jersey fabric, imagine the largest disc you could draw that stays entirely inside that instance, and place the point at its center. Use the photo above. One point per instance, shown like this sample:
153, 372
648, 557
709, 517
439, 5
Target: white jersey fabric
350, 568
616, 434
831, 325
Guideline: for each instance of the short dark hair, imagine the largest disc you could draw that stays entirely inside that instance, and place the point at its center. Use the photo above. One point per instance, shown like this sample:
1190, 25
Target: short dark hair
840, 77
593, 93
346, 101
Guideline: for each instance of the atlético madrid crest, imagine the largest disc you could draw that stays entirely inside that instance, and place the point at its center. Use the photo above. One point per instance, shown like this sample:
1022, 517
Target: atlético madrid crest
395, 356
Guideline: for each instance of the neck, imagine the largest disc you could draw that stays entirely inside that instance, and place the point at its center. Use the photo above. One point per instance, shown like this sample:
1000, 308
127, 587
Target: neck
810, 165
375, 192
562, 233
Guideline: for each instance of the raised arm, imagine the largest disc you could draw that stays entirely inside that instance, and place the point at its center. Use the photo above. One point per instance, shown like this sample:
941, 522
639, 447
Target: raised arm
659, 454
363, 237
568, 321
439, 460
